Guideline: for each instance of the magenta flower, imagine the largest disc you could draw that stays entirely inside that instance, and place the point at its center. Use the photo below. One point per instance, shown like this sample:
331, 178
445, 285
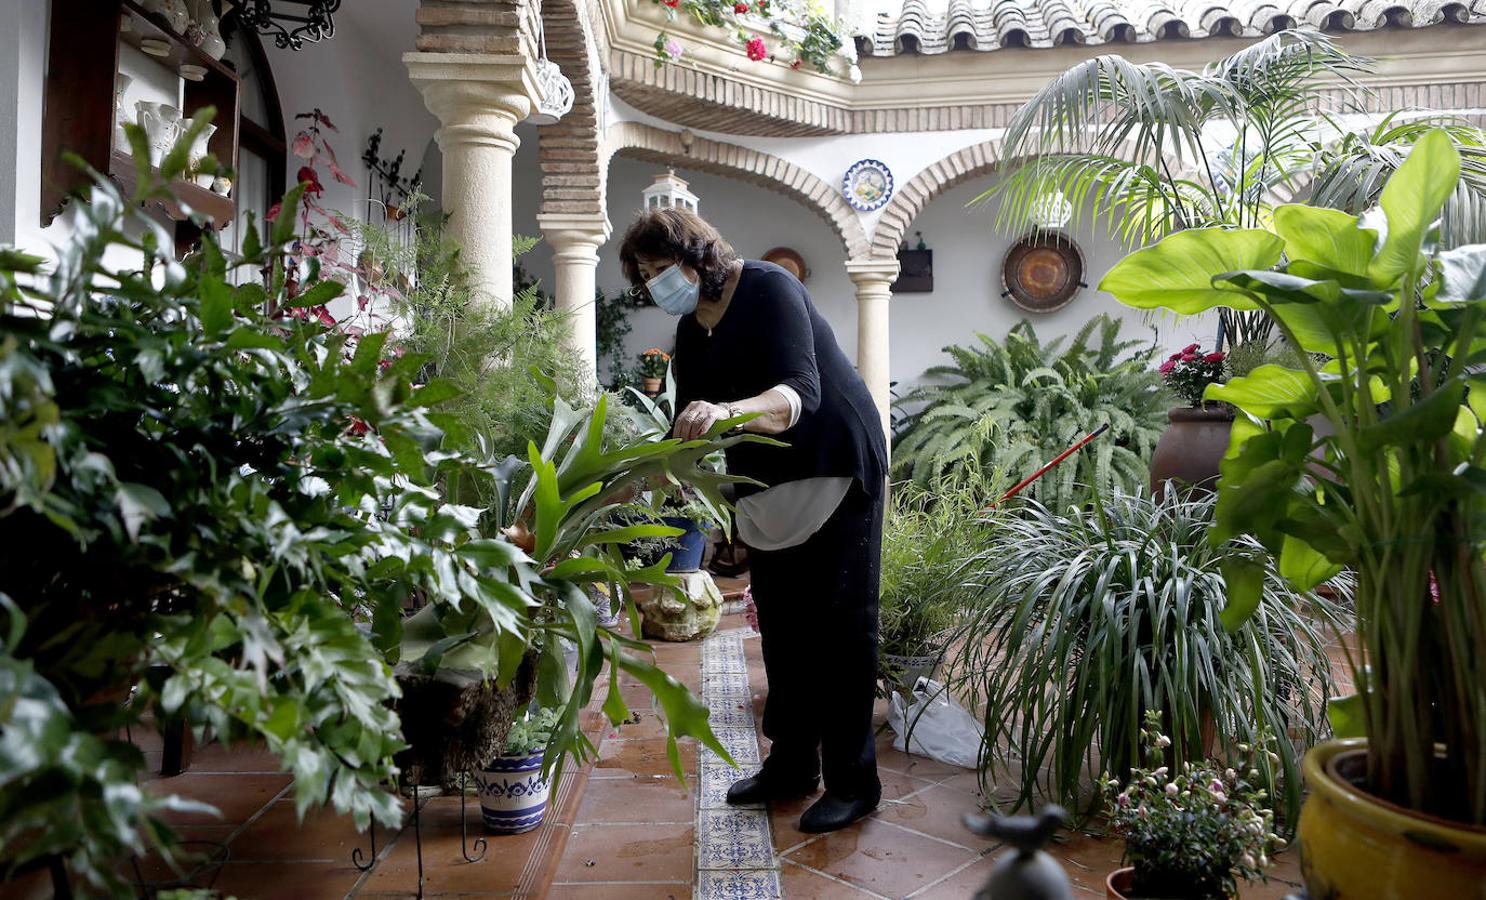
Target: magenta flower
1214, 358
674, 49
1167, 366
756, 48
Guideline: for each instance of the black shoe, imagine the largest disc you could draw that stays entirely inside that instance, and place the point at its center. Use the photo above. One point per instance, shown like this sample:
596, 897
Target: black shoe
761, 788
833, 812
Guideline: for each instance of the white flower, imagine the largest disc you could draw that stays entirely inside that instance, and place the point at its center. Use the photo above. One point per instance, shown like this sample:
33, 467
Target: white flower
1172, 789
1230, 774
1247, 860
1162, 741
1159, 772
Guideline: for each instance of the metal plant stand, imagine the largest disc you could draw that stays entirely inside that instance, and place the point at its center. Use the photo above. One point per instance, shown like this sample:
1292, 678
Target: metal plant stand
472, 852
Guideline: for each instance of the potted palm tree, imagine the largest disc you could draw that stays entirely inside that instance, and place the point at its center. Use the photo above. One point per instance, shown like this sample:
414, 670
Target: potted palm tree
1135, 144
1398, 801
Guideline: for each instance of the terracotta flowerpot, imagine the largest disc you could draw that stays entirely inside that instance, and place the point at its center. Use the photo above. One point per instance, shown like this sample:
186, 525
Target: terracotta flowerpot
1355, 846
1190, 450
652, 386
1119, 884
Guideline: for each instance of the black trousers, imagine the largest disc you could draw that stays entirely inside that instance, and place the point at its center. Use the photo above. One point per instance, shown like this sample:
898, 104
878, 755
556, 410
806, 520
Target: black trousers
817, 613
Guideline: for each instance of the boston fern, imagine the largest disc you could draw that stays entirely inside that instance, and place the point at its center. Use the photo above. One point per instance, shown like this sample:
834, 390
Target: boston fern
1015, 405
1078, 624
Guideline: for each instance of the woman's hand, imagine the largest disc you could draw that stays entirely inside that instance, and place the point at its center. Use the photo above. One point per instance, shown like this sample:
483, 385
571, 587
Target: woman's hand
697, 419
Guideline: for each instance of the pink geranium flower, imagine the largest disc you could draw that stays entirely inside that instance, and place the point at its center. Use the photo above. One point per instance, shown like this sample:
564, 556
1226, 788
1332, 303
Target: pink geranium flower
756, 48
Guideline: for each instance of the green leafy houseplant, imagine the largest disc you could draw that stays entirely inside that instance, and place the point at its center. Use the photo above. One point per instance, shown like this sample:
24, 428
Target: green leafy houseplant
1190, 833
1393, 492
194, 503
926, 541
1077, 624
1013, 406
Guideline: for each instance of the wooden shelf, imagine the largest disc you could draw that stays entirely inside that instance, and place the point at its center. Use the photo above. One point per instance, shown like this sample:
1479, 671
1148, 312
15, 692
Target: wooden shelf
221, 210
144, 25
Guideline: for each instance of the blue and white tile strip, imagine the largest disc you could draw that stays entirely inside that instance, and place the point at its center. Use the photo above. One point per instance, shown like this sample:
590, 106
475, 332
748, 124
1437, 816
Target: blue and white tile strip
735, 851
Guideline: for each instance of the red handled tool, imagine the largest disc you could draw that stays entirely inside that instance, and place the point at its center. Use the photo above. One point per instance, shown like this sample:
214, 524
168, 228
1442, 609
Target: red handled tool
1057, 459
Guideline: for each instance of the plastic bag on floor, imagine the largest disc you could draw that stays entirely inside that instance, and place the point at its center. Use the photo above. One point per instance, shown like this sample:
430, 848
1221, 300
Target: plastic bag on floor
941, 729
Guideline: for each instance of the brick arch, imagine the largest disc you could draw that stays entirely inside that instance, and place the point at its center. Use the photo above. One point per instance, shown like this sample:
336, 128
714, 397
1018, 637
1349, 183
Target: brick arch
921, 190
636, 140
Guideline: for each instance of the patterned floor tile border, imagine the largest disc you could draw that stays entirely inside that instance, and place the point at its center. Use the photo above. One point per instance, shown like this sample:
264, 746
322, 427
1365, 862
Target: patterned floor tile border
735, 851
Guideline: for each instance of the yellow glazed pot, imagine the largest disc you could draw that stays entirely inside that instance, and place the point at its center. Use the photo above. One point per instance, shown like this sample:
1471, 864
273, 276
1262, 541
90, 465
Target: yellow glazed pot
1354, 846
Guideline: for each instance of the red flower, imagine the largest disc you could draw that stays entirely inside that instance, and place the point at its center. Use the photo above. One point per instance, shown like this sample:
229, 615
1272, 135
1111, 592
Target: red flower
358, 427
1189, 357
304, 146
795, 65
1190, 348
1174, 356
1214, 358
756, 49
310, 179
1167, 366
671, 3
740, 8
273, 213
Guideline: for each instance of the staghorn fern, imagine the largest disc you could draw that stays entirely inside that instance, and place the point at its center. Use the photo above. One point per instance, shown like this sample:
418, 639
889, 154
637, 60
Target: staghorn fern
1013, 406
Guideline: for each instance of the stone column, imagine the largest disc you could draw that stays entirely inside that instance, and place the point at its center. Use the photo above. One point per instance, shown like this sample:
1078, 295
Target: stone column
575, 239
874, 282
478, 99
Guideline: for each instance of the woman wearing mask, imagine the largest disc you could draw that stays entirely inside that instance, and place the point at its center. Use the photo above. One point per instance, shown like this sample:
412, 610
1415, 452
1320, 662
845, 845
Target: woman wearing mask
749, 341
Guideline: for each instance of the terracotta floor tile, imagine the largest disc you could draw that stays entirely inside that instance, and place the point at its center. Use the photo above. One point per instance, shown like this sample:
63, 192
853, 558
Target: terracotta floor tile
784, 816
882, 858
964, 780
637, 696
613, 800
799, 883
963, 884
278, 834
444, 867
1087, 858
938, 812
618, 853
197, 846
917, 766
285, 880
896, 785
642, 756
217, 757
642, 723
619, 892
236, 797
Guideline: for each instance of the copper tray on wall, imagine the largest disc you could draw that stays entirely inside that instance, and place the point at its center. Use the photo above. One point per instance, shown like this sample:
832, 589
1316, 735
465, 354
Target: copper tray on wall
788, 259
1043, 271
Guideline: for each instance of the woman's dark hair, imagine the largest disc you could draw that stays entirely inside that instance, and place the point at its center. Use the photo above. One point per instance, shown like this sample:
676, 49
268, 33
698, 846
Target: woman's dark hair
684, 236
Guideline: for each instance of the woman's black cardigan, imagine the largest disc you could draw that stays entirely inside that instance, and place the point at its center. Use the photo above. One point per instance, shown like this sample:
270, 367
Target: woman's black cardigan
771, 334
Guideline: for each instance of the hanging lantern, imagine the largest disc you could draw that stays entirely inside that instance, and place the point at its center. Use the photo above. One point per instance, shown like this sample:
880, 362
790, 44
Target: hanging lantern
668, 191
1051, 211
554, 87
289, 22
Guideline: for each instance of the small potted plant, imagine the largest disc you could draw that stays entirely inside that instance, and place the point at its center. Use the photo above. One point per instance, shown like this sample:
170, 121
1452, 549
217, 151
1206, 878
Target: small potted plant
1191, 448
1190, 834
653, 365
695, 519
513, 791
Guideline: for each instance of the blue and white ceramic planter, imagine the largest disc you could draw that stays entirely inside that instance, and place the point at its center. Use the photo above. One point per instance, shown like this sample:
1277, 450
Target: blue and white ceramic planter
513, 793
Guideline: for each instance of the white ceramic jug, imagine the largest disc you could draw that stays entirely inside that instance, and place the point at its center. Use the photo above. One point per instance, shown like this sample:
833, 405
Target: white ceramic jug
211, 29
161, 124
198, 153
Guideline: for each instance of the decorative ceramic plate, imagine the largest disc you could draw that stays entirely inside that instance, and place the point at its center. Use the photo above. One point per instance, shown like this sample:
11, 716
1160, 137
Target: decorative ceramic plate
868, 185
786, 258
1043, 271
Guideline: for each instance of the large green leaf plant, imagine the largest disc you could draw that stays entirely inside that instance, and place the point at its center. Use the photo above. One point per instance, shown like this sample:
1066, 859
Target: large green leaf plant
1369, 456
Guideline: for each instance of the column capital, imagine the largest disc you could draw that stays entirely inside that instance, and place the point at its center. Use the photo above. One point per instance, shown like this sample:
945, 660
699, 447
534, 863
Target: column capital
875, 270
477, 97
578, 231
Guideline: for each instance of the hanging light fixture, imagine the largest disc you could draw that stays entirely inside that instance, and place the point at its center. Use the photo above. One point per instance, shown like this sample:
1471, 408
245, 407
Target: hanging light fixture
289, 22
669, 191
555, 88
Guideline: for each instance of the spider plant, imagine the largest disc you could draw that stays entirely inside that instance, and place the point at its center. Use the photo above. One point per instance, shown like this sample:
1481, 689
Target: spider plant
1013, 406
1153, 149
1079, 624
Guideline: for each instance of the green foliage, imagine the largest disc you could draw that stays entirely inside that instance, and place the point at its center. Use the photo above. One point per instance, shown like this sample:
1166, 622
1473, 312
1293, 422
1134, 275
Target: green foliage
531, 733
927, 539
1391, 488
483, 349
194, 499
611, 329
1013, 406
1191, 834
1076, 625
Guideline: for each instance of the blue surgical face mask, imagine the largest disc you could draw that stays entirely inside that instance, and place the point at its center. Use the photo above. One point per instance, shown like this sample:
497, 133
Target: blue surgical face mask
673, 292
